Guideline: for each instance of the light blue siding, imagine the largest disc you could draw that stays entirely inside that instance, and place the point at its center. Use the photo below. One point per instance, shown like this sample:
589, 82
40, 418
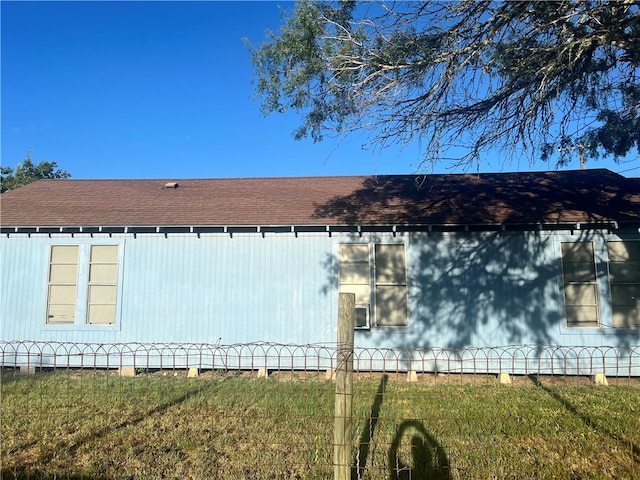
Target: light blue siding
226, 289
185, 288
464, 289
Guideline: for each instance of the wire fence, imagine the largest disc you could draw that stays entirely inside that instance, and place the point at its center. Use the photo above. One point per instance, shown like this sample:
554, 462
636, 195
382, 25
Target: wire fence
264, 410
616, 361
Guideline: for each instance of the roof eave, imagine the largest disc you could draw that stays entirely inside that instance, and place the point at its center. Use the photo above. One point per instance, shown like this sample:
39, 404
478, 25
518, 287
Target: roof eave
611, 225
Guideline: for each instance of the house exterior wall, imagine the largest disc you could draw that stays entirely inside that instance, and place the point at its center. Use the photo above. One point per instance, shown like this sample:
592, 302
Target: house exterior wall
465, 289
182, 288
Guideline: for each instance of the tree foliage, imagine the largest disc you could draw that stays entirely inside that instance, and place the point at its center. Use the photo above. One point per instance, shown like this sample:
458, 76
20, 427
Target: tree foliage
27, 172
526, 78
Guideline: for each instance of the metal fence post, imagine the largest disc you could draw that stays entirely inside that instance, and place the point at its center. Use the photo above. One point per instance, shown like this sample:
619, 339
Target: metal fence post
344, 388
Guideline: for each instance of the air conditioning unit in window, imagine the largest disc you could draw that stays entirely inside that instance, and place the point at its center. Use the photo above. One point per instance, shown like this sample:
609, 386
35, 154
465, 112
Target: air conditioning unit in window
361, 320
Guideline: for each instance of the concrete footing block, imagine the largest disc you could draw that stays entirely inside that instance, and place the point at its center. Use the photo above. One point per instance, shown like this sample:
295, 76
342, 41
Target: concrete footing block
599, 379
504, 378
263, 373
28, 370
193, 373
412, 376
127, 371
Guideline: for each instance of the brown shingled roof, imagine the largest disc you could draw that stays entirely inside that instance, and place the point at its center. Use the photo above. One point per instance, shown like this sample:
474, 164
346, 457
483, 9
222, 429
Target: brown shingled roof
503, 198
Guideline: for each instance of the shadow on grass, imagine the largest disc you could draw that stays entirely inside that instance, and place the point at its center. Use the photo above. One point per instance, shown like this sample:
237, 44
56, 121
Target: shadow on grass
429, 460
35, 470
591, 423
366, 437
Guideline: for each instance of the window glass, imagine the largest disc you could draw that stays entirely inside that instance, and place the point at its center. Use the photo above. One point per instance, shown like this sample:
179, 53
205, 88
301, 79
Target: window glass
354, 273
64, 254
61, 314
354, 252
103, 273
391, 306
390, 265
102, 314
67, 273
104, 253
624, 281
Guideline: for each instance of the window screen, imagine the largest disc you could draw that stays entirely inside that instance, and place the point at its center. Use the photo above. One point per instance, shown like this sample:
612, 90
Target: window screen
62, 286
624, 281
581, 302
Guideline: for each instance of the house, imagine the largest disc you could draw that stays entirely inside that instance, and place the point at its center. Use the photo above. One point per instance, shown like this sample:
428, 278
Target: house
435, 261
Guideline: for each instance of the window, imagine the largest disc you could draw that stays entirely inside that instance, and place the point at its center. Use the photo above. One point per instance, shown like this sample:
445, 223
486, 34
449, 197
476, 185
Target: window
581, 302
391, 285
82, 285
355, 278
624, 281
63, 283
103, 277
388, 282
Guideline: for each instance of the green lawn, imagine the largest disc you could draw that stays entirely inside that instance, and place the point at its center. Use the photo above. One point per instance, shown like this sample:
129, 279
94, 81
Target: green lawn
223, 426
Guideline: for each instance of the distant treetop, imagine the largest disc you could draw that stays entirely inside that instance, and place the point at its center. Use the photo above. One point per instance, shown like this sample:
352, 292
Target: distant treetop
27, 172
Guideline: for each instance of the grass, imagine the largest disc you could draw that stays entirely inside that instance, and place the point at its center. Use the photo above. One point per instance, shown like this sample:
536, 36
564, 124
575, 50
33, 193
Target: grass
97, 425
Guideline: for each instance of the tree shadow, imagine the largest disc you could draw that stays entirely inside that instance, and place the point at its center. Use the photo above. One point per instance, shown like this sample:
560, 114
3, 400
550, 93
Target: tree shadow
596, 195
591, 423
71, 446
483, 289
489, 272
428, 459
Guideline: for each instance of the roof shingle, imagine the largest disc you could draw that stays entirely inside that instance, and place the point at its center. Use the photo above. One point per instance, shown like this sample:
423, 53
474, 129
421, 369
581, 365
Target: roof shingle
503, 198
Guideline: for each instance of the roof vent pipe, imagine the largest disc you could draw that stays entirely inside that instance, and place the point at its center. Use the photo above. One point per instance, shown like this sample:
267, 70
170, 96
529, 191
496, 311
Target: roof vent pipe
171, 185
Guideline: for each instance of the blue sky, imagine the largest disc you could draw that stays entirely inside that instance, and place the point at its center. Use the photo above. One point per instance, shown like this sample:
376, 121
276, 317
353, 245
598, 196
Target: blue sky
163, 90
